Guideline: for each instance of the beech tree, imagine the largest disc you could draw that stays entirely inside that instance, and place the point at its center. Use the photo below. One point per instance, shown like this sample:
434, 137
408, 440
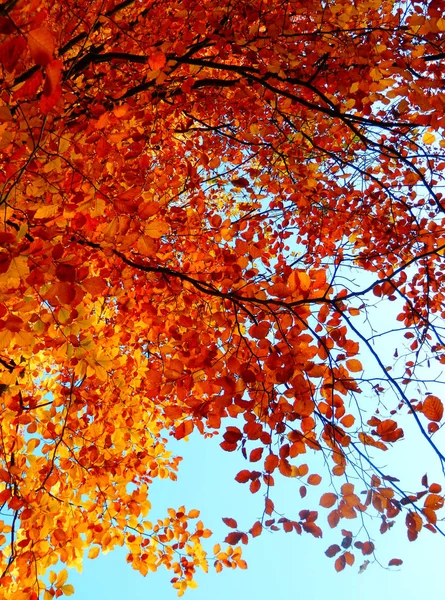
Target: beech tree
217, 218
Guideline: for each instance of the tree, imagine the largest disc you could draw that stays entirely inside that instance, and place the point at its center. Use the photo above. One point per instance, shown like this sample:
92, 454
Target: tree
206, 209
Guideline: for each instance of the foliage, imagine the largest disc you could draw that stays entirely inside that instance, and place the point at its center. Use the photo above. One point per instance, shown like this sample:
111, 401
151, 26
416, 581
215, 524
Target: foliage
207, 207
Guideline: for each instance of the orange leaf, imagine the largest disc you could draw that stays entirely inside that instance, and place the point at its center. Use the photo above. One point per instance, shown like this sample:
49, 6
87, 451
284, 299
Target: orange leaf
354, 365
340, 563
333, 518
271, 463
435, 488
314, 479
348, 421
433, 408
156, 229
434, 501
41, 46
328, 500
347, 489
256, 530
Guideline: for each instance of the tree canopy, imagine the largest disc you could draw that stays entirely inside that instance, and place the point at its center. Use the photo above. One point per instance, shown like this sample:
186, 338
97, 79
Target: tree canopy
217, 218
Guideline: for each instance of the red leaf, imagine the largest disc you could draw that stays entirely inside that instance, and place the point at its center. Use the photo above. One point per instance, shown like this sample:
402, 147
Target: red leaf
395, 562
157, 61
269, 508
30, 87
313, 529
255, 486
184, 429
243, 476
10, 52
65, 272
230, 522
260, 331
52, 89
232, 435
234, 537
256, 530
332, 550
271, 463
256, 454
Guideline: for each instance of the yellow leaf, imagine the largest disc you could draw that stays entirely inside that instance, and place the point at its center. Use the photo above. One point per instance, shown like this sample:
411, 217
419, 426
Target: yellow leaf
64, 144
94, 552
61, 578
429, 138
68, 589
45, 212
354, 87
440, 24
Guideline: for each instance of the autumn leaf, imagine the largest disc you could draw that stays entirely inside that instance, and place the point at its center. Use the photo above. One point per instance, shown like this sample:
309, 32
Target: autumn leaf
354, 365
156, 229
271, 463
243, 476
433, 408
256, 529
41, 46
230, 522
332, 550
234, 537
395, 562
256, 455
314, 479
328, 499
157, 61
